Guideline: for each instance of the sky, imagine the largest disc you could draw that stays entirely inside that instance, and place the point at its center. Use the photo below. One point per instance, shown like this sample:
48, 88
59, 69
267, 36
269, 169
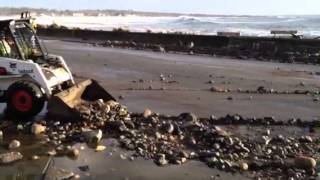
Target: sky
223, 7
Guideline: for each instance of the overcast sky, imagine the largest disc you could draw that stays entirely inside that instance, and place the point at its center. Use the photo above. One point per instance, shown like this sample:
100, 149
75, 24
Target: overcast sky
250, 7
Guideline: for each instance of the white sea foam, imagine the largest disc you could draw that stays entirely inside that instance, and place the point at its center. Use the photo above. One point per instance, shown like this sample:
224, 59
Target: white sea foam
246, 25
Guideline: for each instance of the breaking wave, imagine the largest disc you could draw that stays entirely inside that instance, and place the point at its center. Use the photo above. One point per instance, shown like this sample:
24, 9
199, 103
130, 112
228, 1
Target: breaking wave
246, 25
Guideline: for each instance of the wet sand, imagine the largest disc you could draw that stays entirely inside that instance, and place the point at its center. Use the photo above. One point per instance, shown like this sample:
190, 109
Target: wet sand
116, 69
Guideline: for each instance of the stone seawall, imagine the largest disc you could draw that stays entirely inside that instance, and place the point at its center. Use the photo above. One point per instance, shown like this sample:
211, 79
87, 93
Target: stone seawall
288, 50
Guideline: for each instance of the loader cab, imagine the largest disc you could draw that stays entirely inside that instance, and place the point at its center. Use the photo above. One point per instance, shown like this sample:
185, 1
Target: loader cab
23, 41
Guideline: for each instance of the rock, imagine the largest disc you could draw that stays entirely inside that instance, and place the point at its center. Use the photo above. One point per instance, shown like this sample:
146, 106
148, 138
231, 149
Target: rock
14, 144
1, 135
84, 168
10, 157
213, 118
19, 127
123, 156
161, 160
243, 166
111, 104
147, 113
161, 49
268, 132
304, 162
190, 117
35, 157
73, 153
230, 98
217, 89
100, 148
211, 82
52, 152
169, 128
261, 89
302, 83
306, 139
37, 128
317, 99
92, 136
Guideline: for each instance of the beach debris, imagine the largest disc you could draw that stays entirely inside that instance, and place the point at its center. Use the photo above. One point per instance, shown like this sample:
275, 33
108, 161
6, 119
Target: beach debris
147, 113
37, 128
92, 136
14, 144
100, 148
35, 157
84, 168
10, 157
304, 162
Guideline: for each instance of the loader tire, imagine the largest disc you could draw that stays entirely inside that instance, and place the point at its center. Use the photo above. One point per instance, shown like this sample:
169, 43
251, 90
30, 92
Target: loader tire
25, 99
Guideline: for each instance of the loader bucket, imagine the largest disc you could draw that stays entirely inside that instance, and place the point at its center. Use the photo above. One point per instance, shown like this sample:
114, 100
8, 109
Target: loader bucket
62, 105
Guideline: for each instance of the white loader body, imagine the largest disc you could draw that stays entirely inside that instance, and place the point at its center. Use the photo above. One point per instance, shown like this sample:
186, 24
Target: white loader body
47, 78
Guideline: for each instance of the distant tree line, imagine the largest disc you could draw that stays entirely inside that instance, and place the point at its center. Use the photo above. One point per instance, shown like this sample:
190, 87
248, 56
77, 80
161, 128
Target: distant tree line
97, 12
108, 12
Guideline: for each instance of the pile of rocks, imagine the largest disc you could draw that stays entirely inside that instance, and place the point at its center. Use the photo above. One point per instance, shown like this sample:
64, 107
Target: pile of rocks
177, 139
264, 90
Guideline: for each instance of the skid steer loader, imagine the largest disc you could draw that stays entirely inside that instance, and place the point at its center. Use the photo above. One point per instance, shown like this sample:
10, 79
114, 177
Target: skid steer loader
30, 77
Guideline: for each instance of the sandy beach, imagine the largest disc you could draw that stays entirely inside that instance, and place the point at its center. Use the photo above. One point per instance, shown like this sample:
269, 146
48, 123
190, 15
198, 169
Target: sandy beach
135, 78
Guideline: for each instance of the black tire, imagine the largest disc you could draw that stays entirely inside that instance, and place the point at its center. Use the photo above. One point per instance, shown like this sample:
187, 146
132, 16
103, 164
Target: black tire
24, 99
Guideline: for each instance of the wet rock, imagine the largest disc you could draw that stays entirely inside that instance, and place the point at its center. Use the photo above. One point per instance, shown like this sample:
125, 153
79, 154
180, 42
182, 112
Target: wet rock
123, 156
306, 139
10, 157
35, 157
304, 162
268, 132
217, 89
261, 89
161, 160
14, 144
147, 113
230, 98
121, 96
302, 83
100, 148
92, 136
52, 152
84, 168
243, 166
37, 129
161, 49
188, 117
169, 128
73, 153
213, 118
20, 127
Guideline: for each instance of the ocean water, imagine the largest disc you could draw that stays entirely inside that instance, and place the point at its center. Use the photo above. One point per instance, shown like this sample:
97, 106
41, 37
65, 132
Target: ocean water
308, 26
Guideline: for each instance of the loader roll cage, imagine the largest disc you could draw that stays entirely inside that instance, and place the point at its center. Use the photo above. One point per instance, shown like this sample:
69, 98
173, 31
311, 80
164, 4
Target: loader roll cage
26, 43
